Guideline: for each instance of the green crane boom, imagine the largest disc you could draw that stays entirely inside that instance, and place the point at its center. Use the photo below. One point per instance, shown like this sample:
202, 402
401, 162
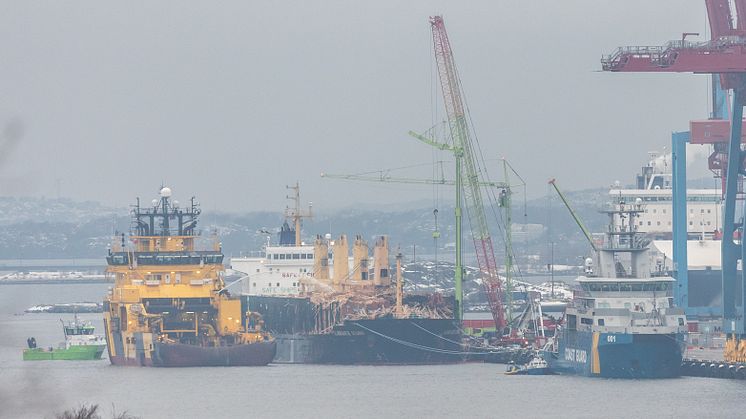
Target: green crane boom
391, 179
574, 215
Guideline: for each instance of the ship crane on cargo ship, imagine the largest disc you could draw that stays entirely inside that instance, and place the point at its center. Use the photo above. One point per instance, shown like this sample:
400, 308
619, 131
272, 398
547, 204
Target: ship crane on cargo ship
724, 55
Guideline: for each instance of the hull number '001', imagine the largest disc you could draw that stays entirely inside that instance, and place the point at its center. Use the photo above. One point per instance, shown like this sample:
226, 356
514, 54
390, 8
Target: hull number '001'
576, 355
611, 338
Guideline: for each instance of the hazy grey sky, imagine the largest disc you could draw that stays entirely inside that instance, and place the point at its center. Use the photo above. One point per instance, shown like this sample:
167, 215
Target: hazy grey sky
231, 101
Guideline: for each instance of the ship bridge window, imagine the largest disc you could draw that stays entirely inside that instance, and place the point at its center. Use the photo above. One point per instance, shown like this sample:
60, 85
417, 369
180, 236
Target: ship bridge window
610, 287
282, 256
636, 287
303, 256
309, 256
625, 287
275, 256
118, 260
681, 321
296, 255
585, 320
601, 322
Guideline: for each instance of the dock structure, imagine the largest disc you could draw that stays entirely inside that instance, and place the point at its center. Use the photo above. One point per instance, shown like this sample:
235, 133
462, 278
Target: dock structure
724, 56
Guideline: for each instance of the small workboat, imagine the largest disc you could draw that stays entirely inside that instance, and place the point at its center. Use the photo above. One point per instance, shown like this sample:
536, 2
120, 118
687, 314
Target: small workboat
80, 345
537, 366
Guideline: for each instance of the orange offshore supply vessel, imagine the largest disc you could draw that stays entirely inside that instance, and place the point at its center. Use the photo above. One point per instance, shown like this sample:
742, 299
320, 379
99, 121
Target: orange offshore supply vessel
169, 306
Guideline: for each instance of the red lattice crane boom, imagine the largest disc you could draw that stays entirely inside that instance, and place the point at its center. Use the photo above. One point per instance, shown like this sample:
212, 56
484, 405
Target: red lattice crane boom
461, 135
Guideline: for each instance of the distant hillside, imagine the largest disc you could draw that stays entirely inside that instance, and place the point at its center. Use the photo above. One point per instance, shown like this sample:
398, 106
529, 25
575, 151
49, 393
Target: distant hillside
50, 228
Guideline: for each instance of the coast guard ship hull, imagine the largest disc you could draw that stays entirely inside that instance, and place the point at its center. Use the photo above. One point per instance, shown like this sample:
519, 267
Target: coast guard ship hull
618, 355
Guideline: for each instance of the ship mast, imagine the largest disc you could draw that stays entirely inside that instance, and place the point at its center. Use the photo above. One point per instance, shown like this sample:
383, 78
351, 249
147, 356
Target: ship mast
295, 213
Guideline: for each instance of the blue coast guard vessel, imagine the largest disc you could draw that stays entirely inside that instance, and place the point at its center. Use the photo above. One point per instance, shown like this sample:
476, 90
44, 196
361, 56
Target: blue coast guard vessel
622, 322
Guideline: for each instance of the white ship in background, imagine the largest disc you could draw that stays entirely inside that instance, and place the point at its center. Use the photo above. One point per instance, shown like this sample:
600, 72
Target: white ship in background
288, 268
280, 270
653, 189
653, 186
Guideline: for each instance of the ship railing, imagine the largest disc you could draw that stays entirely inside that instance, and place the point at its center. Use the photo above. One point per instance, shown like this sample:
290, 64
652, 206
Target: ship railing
625, 294
663, 54
637, 329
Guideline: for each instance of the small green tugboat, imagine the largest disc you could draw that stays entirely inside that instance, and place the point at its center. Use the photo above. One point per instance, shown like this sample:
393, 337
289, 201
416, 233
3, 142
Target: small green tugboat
80, 345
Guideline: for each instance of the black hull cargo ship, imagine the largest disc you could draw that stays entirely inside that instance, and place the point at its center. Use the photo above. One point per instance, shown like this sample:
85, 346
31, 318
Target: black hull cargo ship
304, 335
325, 305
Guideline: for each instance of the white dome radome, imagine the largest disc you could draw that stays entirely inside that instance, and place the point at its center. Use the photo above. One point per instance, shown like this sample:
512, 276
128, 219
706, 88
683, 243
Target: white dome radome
165, 192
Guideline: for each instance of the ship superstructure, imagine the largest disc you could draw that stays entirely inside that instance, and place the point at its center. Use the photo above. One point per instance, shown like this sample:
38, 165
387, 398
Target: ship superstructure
653, 187
622, 322
169, 305
282, 266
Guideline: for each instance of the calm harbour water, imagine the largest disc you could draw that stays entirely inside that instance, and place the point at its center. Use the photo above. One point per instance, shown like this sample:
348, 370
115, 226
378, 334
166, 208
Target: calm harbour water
38, 389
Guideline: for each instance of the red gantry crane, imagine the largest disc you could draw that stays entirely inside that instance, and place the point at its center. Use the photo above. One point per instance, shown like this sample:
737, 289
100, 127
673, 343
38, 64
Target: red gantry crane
468, 173
724, 55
